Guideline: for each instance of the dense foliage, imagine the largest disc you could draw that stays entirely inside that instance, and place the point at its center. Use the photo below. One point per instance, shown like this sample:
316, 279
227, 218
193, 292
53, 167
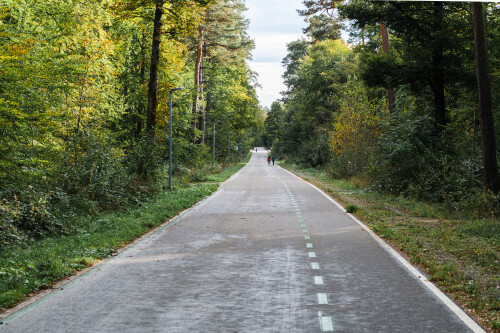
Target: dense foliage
76, 81
335, 111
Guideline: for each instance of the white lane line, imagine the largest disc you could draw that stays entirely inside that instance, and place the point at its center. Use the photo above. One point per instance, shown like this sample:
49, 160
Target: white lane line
314, 265
309, 245
305, 231
302, 225
326, 323
312, 254
318, 280
307, 237
322, 299
428, 284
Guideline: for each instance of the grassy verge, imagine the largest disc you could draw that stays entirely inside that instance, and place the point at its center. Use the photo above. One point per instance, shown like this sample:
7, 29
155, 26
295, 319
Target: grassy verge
25, 270
227, 172
460, 255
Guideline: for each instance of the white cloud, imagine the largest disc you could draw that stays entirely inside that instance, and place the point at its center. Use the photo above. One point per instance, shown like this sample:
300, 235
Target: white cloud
270, 80
272, 47
273, 24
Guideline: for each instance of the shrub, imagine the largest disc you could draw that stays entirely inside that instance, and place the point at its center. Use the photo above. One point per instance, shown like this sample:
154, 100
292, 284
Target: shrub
146, 158
407, 162
356, 132
92, 173
351, 209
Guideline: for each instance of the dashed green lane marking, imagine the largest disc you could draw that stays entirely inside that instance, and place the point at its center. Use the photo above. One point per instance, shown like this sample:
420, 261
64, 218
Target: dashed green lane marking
326, 324
322, 299
318, 280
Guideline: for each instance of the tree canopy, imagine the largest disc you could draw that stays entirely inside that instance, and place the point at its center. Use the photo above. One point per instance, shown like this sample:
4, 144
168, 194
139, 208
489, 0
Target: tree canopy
84, 90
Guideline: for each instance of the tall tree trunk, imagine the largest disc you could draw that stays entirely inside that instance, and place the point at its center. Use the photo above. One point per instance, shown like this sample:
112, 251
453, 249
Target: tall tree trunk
197, 67
391, 96
490, 167
153, 76
138, 129
201, 125
437, 85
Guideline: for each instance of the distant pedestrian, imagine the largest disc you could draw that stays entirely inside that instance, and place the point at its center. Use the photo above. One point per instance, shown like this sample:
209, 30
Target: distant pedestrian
255, 149
269, 160
273, 159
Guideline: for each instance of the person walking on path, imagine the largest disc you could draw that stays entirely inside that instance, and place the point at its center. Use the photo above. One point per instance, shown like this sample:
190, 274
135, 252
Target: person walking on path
269, 160
272, 158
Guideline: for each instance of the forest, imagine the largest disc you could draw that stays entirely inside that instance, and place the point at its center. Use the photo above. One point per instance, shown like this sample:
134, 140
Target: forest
406, 109
396, 107
84, 104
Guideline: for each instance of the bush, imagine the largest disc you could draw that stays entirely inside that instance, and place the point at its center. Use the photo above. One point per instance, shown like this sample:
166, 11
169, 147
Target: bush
408, 146
438, 165
190, 155
478, 204
316, 151
9, 234
146, 158
356, 132
27, 215
351, 209
93, 174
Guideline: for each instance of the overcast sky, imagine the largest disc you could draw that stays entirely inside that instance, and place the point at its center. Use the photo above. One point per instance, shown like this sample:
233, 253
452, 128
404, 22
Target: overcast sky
273, 24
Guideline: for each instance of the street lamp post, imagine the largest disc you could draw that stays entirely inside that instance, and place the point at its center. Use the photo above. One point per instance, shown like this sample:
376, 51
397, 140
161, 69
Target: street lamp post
170, 141
213, 150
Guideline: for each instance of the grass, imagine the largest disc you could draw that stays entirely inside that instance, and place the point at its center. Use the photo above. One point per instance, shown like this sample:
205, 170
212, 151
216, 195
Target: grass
28, 269
227, 171
459, 254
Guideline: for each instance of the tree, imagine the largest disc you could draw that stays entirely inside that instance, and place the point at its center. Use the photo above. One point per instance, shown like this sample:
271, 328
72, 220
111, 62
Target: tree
296, 50
221, 37
428, 60
322, 27
490, 167
391, 95
183, 17
356, 130
153, 74
273, 123
316, 80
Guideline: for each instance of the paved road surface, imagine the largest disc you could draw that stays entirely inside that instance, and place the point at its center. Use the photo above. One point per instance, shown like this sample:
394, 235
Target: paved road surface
266, 253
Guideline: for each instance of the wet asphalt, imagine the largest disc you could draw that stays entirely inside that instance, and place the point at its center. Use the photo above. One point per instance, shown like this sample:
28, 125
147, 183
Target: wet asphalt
266, 253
